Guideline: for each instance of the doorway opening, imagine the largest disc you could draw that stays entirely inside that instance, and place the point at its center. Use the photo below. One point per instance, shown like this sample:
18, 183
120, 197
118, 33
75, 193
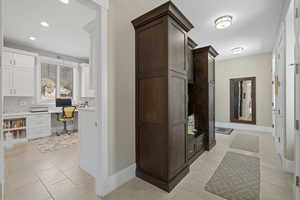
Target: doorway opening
51, 70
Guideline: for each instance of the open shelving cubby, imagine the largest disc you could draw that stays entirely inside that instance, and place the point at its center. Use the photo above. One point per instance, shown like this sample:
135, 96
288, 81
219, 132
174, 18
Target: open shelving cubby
14, 131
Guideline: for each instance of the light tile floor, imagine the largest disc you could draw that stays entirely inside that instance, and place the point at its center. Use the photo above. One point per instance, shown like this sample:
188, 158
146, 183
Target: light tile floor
32, 175
55, 176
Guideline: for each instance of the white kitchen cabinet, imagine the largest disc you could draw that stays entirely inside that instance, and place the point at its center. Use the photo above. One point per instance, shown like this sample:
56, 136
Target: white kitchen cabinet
7, 81
21, 60
18, 74
23, 81
86, 91
18, 81
38, 126
17, 59
7, 58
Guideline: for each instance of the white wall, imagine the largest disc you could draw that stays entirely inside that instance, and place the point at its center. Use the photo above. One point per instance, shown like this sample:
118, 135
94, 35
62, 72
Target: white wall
121, 107
1, 106
290, 82
258, 66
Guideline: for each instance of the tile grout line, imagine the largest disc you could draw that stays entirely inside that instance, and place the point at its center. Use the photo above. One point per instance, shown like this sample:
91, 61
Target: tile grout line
52, 197
67, 177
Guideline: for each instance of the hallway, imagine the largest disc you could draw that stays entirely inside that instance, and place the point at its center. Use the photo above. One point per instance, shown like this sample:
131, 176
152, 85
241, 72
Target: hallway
56, 175
275, 183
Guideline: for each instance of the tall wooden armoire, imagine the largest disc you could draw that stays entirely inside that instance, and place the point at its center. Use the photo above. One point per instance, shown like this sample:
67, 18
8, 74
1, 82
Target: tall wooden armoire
204, 69
161, 96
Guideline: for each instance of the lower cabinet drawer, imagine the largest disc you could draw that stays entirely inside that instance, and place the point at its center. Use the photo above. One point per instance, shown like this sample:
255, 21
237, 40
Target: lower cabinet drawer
38, 121
199, 143
34, 133
39, 126
191, 150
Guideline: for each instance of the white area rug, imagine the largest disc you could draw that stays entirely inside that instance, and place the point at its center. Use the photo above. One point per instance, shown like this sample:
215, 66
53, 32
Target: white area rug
54, 143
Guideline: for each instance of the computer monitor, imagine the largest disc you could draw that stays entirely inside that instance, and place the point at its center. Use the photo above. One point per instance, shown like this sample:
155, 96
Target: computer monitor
63, 102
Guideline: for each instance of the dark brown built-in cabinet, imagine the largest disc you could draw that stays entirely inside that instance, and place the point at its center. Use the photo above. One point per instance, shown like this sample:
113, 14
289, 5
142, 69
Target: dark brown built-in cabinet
195, 138
174, 97
191, 46
204, 93
161, 96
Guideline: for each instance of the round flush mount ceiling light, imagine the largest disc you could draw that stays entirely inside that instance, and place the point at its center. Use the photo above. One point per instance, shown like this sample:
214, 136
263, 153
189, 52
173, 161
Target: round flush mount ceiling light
64, 1
237, 50
32, 38
223, 22
44, 24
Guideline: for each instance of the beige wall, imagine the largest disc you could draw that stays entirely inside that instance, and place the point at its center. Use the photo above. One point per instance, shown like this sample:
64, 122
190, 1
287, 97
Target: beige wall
258, 66
121, 78
121, 73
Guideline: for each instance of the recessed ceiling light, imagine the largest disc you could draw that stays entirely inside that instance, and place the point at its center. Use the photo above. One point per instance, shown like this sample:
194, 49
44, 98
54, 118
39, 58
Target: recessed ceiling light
32, 38
44, 24
64, 1
223, 22
237, 50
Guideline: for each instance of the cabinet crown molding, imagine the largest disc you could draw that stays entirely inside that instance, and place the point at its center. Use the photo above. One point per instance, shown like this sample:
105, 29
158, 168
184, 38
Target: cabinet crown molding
207, 49
167, 9
192, 43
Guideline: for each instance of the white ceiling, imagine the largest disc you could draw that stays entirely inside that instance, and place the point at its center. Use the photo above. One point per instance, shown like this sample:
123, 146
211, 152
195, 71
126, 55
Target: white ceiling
64, 36
255, 23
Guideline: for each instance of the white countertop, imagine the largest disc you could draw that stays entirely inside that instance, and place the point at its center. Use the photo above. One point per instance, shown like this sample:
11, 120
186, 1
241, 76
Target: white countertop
91, 109
52, 111
22, 114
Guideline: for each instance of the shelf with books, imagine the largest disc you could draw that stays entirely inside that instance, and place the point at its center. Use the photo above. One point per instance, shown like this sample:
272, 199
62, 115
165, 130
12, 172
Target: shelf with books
14, 131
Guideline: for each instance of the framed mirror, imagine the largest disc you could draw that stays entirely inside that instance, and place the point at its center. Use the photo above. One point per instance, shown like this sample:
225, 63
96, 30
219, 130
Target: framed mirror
243, 100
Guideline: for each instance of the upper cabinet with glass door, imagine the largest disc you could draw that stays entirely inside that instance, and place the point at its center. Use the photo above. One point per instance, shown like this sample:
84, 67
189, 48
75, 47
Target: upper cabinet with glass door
48, 81
58, 79
66, 82
86, 88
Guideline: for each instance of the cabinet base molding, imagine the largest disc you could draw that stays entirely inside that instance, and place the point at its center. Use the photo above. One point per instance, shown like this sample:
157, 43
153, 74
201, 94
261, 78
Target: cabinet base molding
210, 146
196, 156
166, 186
248, 127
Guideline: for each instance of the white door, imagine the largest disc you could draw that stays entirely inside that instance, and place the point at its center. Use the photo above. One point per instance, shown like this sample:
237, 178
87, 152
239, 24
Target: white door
1, 103
278, 113
297, 58
23, 81
290, 82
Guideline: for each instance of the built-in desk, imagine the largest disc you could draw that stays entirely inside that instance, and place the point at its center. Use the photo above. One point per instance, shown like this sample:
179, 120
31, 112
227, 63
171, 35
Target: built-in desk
37, 124
40, 125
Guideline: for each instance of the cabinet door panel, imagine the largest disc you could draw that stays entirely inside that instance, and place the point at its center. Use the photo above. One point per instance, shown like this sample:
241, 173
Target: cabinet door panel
7, 81
23, 82
86, 90
24, 60
177, 48
7, 58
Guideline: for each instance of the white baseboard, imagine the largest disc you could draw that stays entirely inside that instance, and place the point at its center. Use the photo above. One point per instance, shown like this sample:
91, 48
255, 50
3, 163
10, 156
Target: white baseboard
247, 127
118, 179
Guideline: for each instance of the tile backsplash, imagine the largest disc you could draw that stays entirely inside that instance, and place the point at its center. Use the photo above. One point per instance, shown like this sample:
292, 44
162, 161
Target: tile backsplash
17, 104
23, 104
